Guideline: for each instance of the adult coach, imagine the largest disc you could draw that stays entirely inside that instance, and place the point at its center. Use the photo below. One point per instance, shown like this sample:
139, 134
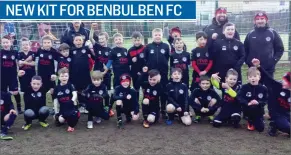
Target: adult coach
76, 27
263, 43
214, 30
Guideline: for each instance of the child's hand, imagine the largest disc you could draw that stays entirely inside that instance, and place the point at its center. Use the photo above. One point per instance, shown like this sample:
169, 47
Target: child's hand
216, 77
134, 59
21, 73
89, 44
186, 113
14, 92
12, 111
203, 110
202, 73
255, 102
53, 77
197, 101
51, 91
21, 63
138, 73
214, 36
225, 86
75, 102
105, 67
212, 102
94, 26
179, 109
206, 110
145, 69
267, 116
128, 96
256, 62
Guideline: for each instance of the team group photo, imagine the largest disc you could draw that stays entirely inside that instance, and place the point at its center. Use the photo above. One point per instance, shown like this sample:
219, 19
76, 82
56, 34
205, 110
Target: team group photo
219, 85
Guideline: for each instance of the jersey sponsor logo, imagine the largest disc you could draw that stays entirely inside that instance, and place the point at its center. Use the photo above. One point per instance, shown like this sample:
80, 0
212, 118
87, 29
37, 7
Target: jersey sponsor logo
163, 51
4, 56
83, 51
209, 98
223, 48
176, 61
235, 47
249, 94
152, 51
118, 55
60, 93
38, 94
260, 95
283, 94
268, 39
184, 59
181, 91
33, 95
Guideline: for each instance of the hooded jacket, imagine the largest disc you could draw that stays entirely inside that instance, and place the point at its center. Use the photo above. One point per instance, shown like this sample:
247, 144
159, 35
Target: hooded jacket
70, 33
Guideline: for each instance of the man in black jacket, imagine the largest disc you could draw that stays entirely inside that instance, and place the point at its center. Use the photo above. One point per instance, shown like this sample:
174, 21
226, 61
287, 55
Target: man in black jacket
263, 43
214, 30
76, 27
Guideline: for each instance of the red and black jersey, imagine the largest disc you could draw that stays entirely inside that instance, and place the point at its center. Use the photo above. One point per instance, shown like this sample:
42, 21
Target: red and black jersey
137, 52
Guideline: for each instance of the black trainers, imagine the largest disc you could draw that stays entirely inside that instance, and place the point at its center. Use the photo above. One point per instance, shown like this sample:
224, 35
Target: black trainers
272, 129
164, 116
119, 124
19, 111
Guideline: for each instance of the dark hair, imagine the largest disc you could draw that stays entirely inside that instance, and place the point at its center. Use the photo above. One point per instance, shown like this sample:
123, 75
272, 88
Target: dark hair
64, 46
227, 24
63, 70
153, 73
136, 35
177, 39
176, 70
201, 34
36, 77
204, 78
6, 37
79, 35
104, 34
231, 72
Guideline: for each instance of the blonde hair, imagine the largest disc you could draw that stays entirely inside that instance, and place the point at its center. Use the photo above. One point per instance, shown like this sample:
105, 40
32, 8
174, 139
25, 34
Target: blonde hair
252, 71
63, 71
104, 34
155, 30
117, 35
96, 75
47, 37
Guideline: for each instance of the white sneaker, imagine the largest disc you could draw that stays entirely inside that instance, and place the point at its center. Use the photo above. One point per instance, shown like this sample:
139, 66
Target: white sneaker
98, 120
90, 124
86, 111
82, 110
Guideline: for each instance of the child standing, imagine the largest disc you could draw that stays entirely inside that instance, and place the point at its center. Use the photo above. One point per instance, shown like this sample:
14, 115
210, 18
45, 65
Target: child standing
157, 56
64, 59
175, 32
126, 101
253, 97
65, 101
279, 101
9, 70
8, 115
228, 53
136, 53
177, 93
181, 59
95, 93
152, 90
80, 68
204, 100
230, 107
201, 59
35, 104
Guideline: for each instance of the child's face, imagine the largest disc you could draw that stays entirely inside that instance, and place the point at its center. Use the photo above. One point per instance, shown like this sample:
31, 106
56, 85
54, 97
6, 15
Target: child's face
205, 85
157, 37
36, 84
47, 44
231, 80
201, 41
229, 31
65, 53
285, 84
179, 45
176, 34
176, 76
78, 41
125, 84
64, 77
25, 46
153, 80
260, 22
118, 41
102, 40
6, 44
97, 82
254, 79
137, 42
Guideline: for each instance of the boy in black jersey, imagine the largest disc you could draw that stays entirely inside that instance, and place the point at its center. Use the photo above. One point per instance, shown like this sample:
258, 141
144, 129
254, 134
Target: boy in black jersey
279, 102
80, 68
152, 90
35, 104
126, 101
9, 69
253, 97
204, 100
64, 59
230, 107
95, 93
201, 60
177, 93
8, 115
137, 58
65, 101
102, 52
119, 59
157, 55
181, 59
